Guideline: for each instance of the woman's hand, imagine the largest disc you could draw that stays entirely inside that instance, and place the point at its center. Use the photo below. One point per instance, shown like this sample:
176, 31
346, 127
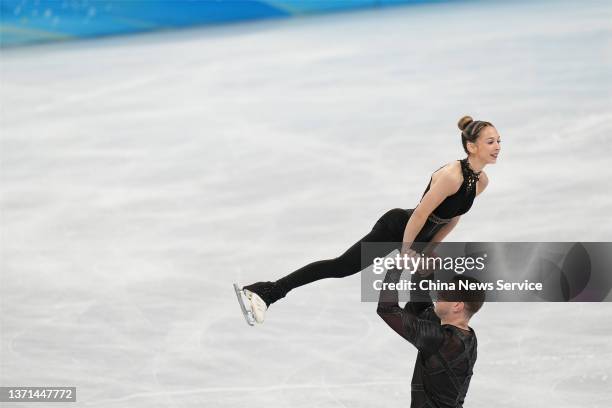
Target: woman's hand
409, 252
422, 269
411, 255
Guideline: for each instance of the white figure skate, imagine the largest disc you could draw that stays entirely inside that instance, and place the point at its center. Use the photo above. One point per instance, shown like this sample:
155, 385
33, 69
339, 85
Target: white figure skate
258, 306
245, 305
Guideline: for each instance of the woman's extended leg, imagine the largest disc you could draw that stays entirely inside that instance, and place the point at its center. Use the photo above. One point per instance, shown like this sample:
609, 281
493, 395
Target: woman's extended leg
387, 229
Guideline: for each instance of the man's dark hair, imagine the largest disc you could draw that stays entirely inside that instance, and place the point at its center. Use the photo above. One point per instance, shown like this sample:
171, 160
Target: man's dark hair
472, 297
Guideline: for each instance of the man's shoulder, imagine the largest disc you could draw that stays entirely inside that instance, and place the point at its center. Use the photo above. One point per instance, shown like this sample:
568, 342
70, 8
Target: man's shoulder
458, 334
430, 314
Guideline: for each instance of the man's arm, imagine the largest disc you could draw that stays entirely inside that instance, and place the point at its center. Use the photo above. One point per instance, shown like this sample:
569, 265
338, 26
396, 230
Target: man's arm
425, 334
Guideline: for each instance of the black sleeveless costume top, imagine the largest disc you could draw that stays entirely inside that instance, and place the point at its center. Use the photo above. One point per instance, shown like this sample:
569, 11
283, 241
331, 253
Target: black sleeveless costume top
456, 204
460, 202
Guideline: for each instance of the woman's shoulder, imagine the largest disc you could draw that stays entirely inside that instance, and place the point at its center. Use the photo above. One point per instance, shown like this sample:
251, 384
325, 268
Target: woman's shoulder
483, 182
449, 174
484, 179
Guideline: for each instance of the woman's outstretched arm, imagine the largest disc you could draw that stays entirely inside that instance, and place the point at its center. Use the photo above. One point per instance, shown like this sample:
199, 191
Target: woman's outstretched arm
446, 184
446, 229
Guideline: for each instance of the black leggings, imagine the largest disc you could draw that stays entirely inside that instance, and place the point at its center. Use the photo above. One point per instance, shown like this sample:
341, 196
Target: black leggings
389, 229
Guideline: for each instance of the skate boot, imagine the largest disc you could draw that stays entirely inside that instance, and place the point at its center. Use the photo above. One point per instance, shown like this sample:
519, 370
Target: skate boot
260, 296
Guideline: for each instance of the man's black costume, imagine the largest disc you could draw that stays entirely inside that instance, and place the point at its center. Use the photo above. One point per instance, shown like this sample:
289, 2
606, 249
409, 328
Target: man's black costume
446, 354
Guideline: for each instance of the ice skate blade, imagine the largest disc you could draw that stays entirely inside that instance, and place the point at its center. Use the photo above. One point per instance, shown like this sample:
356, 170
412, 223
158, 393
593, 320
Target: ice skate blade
248, 314
257, 304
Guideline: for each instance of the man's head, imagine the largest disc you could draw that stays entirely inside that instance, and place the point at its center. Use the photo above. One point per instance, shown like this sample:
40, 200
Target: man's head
462, 302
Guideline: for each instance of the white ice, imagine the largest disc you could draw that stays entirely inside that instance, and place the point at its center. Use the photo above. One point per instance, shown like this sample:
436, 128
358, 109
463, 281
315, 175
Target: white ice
141, 176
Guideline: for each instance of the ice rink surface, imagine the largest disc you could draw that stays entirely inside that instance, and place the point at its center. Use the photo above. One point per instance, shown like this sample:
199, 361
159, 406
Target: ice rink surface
141, 176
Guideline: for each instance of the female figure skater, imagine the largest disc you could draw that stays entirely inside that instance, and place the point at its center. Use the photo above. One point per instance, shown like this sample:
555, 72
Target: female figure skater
449, 194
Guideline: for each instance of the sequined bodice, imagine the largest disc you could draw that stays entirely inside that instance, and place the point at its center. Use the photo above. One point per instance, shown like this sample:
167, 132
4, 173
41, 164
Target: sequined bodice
470, 177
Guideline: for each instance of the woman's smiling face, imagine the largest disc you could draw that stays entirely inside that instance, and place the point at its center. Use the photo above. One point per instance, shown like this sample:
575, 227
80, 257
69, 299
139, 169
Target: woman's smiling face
487, 146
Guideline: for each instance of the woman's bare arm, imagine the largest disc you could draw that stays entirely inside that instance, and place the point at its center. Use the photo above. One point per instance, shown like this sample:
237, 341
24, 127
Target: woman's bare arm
446, 184
446, 229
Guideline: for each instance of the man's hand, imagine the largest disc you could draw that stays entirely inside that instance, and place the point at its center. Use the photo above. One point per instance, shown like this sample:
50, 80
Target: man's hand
410, 254
429, 253
406, 250
424, 271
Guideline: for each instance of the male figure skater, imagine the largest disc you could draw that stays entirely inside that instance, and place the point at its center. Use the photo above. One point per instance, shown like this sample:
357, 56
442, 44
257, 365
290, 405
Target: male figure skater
446, 344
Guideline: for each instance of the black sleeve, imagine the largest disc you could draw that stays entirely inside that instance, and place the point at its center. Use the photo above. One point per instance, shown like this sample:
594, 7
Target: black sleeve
415, 322
420, 302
